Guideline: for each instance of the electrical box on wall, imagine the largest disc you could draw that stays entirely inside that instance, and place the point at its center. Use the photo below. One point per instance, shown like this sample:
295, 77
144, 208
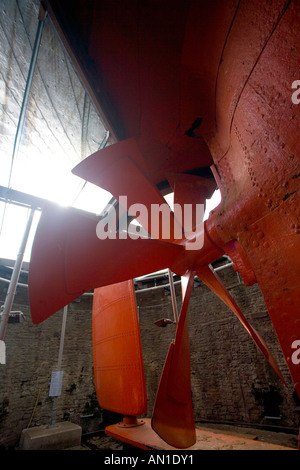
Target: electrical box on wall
16, 317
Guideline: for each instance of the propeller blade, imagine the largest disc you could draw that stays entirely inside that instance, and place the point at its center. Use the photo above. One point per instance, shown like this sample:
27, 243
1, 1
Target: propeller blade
173, 418
190, 194
46, 278
90, 262
68, 259
207, 275
120, 170
191, 189
117, 350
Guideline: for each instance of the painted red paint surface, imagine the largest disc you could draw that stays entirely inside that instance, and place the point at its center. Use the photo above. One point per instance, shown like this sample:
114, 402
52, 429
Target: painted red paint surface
200, 85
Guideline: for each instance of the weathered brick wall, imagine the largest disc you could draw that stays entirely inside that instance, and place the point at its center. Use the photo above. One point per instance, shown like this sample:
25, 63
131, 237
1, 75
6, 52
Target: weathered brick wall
32, 355
231, 380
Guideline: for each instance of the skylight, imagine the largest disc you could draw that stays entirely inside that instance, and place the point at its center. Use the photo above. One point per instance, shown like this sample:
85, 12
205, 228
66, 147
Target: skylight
61, 127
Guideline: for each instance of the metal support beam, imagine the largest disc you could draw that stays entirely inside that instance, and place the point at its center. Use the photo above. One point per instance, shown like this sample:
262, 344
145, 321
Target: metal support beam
59, 369
14, 278
19, 198
173, 296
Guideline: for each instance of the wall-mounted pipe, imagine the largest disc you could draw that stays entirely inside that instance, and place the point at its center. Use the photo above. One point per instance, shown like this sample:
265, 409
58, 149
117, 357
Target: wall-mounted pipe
59, 369
173, 296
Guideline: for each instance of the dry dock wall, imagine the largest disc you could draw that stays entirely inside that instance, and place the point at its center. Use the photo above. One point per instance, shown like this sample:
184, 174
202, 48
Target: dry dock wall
231, 380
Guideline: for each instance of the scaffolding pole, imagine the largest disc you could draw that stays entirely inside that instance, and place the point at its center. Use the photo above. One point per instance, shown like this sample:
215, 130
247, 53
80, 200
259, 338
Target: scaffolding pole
14, 280
56, 379
173, 296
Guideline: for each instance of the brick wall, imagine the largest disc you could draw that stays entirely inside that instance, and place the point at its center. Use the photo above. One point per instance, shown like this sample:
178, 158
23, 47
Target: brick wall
31, 356
231, 380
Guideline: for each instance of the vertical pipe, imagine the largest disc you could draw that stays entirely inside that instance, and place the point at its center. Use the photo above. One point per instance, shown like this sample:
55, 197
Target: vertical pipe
60, 354
14, 278
62, 338
173, 296
53, 416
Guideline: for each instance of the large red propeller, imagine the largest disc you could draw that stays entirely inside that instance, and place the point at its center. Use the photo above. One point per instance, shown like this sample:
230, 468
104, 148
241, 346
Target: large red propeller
68, 258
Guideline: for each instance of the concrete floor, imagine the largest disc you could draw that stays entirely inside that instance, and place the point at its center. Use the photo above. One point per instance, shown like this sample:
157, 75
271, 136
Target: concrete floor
104, 442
